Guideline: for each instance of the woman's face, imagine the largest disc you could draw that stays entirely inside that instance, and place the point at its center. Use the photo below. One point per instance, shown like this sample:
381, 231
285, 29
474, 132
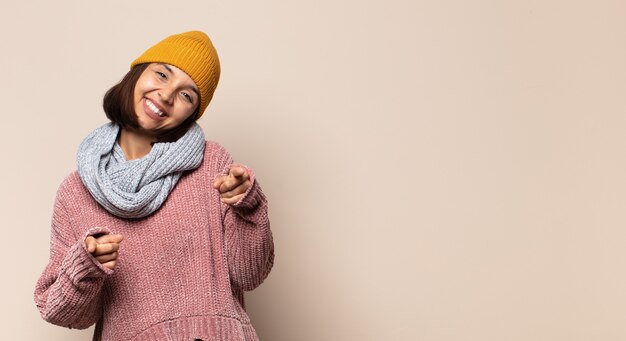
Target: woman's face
164, 97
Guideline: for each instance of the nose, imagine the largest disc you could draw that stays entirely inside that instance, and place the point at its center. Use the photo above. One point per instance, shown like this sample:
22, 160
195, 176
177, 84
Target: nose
166, 95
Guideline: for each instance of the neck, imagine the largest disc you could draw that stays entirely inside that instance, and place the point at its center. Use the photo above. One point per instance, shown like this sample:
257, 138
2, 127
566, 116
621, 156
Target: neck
134, 144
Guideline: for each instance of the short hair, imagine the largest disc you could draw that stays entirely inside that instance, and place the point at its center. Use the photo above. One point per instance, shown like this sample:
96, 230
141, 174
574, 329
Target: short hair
119, 106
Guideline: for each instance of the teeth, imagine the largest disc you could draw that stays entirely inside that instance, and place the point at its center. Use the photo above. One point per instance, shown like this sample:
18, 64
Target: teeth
154, 108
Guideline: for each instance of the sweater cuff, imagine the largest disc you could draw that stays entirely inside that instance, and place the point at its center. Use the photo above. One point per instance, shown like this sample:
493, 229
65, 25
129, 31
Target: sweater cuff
79, 264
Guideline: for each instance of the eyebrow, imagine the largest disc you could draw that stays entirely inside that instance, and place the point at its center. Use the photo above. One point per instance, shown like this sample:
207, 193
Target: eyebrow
193, 88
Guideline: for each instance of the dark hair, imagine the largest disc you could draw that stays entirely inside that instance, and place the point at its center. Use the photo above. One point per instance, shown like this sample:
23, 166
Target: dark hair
119, 106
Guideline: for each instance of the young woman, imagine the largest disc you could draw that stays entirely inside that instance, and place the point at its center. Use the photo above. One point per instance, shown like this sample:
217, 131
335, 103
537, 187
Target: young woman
158, 233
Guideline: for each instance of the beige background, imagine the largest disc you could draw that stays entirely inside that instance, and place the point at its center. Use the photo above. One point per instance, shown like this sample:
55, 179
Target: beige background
437, 170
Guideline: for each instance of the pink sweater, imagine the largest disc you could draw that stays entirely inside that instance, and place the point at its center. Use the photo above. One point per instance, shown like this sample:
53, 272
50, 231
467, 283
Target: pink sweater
181, 271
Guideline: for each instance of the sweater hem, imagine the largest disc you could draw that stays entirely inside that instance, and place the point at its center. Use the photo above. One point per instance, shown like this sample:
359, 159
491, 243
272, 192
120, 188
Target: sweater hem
198, 327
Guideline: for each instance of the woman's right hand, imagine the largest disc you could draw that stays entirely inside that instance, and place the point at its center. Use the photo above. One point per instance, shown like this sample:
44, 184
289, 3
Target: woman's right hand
104, 248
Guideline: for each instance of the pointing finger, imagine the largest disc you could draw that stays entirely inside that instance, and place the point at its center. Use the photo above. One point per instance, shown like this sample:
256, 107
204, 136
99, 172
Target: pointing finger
245, 175
237, 170
90, 243
110, 238
236, 176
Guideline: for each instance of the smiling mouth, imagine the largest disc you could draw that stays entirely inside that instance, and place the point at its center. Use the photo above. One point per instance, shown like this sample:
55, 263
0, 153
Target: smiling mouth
154, 108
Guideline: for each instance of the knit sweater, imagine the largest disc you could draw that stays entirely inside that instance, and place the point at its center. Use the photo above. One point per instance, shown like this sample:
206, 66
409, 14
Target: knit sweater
181, 271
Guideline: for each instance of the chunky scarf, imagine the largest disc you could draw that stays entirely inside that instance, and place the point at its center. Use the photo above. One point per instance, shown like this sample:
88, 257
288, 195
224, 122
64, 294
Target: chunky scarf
135, 188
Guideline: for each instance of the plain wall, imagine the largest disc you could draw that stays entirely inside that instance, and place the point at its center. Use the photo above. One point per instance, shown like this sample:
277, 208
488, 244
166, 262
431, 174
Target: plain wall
436, 170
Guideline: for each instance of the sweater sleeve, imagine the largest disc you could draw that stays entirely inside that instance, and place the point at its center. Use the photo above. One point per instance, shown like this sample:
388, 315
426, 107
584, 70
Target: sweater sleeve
248, 237
68, 291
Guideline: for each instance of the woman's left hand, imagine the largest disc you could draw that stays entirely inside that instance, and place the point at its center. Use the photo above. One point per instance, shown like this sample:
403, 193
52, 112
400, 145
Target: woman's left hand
233, 186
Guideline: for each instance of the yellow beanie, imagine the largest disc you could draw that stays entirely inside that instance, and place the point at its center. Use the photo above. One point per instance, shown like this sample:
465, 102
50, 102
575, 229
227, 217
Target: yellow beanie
193, 53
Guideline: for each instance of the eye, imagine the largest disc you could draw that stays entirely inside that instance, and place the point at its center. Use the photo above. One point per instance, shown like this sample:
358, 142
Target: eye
187, 97
161, 74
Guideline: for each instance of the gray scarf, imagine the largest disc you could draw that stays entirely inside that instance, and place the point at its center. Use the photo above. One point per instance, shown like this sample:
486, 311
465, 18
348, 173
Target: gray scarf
135, 188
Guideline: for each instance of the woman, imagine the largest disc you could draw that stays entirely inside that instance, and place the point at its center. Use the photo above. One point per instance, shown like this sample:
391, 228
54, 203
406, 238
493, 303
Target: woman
158, 233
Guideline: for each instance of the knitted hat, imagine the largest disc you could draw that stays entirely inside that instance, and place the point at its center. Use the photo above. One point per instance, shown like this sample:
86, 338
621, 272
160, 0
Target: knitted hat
193, 53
